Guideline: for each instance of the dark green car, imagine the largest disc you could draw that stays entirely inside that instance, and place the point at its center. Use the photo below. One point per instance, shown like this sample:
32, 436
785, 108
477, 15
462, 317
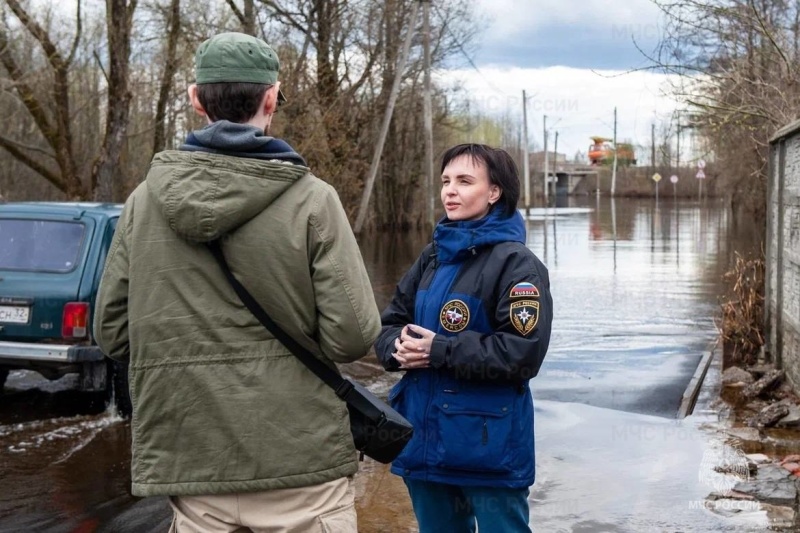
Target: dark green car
51, 261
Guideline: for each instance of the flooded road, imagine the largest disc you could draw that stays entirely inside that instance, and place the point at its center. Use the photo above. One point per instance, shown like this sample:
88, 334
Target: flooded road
635, 289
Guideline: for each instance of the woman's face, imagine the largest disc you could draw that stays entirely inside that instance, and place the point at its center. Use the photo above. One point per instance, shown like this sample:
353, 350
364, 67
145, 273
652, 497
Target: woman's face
467, 193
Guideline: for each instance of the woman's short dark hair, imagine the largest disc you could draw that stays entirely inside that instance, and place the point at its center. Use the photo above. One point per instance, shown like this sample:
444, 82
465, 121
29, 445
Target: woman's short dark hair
236, 102
502, 171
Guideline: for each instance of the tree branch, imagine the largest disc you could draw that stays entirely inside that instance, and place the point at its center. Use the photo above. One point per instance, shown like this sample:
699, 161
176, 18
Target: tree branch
53, 55
31, 148
59, 135
769, 36
100, 64
301, 59
26, 93
78, 28
22, 157
236, 11
732, 110
287, 16
131, 10
170, 67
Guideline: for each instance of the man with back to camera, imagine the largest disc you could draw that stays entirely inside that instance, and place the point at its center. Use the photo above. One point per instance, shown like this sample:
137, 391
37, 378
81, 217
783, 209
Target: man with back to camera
226, 421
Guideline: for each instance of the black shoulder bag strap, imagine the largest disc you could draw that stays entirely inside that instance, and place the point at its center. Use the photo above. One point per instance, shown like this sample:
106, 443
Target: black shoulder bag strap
320, 369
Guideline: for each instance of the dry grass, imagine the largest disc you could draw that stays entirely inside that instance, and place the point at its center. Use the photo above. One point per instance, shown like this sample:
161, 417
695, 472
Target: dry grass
741, 325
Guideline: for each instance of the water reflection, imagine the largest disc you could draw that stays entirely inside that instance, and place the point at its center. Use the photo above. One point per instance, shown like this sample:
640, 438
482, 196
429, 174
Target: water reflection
388, 257
635, 286
614, 229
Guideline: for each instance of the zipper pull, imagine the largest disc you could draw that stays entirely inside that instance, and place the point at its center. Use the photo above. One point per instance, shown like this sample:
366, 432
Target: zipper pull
485, 439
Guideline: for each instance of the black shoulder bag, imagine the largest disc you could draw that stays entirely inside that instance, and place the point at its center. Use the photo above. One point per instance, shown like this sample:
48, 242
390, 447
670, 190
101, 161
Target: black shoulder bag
378, 430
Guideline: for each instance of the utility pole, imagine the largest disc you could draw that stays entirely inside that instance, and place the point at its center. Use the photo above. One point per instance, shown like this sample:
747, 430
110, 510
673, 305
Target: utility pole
428, 113
614, 167
387, 119
555, 168
546, 200
678, 150
555, 155
653, 148
526, 170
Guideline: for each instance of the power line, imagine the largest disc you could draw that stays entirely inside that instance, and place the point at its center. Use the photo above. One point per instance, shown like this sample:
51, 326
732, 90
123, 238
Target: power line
460, 47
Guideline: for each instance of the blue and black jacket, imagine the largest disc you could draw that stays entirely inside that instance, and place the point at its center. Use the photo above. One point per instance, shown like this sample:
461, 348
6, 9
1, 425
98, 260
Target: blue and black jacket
487, 297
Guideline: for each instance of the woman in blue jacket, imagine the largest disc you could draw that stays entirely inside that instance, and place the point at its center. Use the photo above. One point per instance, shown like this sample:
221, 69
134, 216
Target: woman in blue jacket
470, 325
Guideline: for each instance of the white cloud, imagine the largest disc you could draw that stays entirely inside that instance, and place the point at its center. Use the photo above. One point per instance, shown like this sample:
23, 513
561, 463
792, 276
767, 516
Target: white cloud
512, 19
585, 34
579, 103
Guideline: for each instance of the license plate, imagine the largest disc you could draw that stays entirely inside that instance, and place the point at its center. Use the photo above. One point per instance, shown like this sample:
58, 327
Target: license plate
13, 314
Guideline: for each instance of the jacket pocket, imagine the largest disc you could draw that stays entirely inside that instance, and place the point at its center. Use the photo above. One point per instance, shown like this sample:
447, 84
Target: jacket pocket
339, 520
403, 399
475, 432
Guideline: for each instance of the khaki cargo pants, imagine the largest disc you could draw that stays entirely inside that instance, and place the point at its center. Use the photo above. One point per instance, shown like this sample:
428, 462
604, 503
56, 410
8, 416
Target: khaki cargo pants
325, 508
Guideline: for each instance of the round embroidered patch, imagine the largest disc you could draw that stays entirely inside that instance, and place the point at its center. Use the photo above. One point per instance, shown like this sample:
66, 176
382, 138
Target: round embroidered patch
454, 316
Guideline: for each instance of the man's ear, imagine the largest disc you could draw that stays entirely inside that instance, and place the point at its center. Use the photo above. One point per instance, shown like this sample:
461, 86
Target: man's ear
195, 101
270, 102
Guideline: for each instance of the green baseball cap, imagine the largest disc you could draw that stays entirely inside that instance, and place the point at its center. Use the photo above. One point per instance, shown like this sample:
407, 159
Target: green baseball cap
236, 57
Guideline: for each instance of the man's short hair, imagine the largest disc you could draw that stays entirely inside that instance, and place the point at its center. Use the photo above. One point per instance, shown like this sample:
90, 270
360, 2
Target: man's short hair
236, 102
233, 72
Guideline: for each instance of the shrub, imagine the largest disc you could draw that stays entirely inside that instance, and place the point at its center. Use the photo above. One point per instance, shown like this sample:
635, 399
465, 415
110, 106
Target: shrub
741, 325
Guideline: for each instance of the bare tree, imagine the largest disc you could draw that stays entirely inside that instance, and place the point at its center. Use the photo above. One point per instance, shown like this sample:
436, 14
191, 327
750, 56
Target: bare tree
51, 115
119, 16
87, 103
739, 63
170, 68
51, 111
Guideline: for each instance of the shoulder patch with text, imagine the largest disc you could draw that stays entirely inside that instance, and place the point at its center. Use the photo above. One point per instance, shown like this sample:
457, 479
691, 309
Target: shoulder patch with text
524, 290
454, 316
524, 315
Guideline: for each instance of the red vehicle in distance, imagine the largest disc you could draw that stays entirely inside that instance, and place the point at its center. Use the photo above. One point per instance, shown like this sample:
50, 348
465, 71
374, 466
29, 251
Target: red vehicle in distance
601, 152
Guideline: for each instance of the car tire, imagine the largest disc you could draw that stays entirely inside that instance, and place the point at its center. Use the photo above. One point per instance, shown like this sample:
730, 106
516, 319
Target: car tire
118, 388
3, 377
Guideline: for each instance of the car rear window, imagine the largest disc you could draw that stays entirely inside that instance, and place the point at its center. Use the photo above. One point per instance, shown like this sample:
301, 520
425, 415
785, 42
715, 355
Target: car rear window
39, 245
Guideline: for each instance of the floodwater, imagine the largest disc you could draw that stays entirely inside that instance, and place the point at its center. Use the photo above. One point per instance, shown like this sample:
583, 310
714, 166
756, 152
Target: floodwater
635, 287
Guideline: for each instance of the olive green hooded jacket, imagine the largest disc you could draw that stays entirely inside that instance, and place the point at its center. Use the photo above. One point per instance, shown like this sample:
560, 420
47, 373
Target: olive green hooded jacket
219, 405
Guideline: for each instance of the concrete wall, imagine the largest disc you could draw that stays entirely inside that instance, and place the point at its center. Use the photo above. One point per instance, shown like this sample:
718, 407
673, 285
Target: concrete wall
783, 252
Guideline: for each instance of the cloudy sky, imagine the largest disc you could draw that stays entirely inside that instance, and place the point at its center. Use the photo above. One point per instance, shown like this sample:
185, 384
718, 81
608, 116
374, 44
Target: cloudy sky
571, 57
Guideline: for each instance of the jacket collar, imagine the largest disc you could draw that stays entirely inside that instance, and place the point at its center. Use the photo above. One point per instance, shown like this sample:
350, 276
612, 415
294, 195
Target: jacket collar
455, 241
240, 140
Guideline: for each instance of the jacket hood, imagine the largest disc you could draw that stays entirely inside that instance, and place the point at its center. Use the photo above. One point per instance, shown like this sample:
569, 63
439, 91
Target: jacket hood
204, 195
243, 140
455, 241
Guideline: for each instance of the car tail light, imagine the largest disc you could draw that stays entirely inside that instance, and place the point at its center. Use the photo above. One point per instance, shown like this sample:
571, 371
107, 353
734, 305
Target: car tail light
76, 318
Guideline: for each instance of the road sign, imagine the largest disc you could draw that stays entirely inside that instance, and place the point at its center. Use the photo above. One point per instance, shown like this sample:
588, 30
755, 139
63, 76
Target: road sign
700, 174
701, 164
673, 178
656, 177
